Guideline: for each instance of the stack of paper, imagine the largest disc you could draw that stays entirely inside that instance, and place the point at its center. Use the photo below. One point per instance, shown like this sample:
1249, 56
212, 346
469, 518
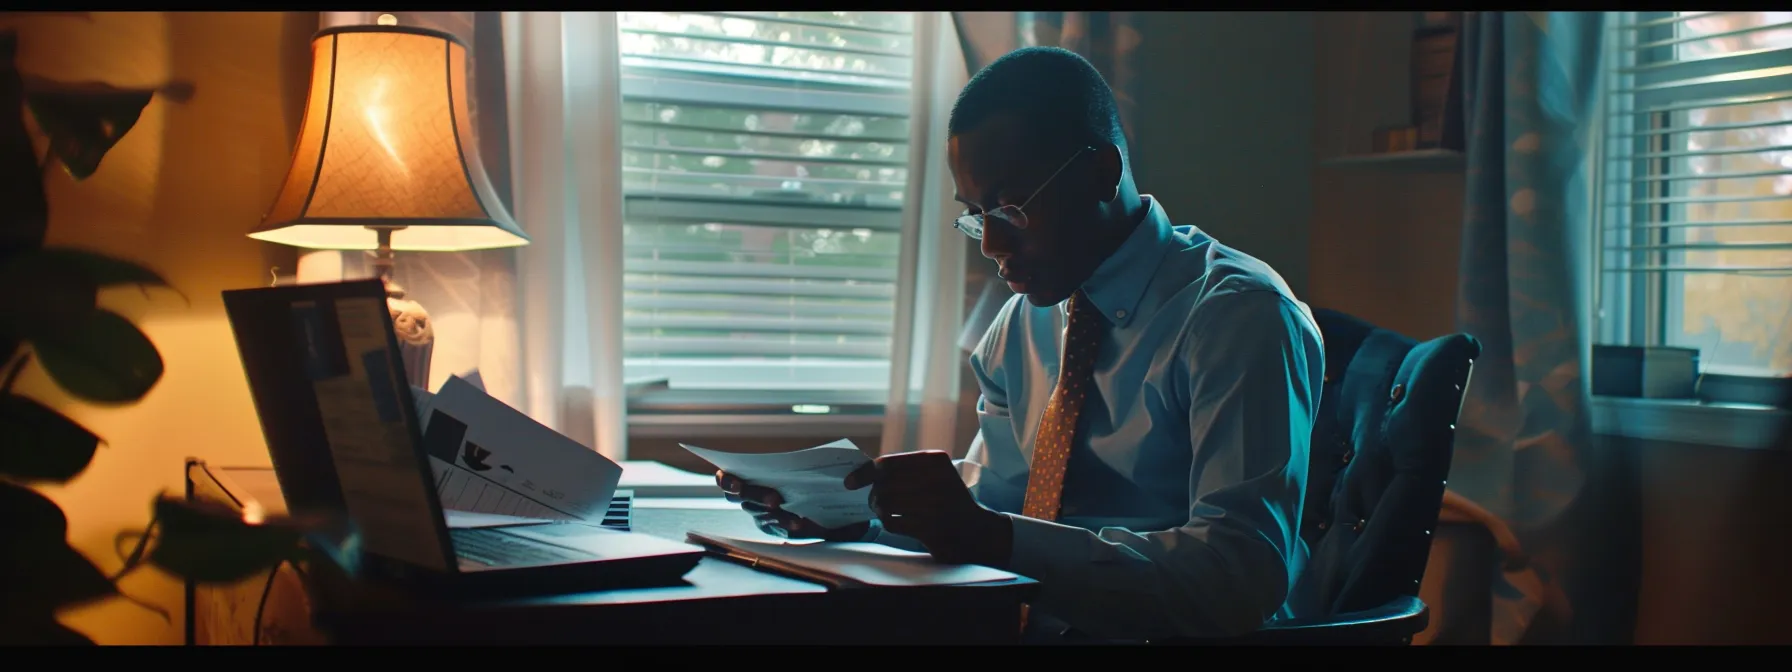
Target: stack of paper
653, 479
812, 481
491, 458
851, 564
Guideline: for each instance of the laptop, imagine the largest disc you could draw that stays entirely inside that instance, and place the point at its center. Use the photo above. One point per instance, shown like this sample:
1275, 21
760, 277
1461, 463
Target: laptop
323, 367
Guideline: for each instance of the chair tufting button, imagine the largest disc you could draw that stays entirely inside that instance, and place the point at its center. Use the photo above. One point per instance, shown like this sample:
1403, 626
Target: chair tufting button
1324, 525
1398, 393
1346, 457
1357, 526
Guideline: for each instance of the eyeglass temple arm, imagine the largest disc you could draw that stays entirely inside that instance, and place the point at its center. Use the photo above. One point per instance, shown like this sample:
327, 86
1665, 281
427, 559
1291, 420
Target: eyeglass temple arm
1048, 181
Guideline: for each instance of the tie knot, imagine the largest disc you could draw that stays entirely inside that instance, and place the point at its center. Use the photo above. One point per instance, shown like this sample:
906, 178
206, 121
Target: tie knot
1083, 313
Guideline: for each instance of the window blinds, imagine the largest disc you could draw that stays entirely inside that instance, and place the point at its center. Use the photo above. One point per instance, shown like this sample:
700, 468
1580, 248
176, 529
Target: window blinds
764, 164
1698, 148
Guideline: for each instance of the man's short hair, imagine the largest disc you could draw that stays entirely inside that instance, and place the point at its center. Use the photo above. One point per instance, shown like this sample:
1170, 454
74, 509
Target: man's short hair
1055, 93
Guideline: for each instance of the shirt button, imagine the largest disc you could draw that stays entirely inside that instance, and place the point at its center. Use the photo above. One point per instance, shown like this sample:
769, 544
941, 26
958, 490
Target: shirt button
1120, 314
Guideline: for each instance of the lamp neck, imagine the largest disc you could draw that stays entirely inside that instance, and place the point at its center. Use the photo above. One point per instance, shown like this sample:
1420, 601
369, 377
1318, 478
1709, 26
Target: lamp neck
383, 257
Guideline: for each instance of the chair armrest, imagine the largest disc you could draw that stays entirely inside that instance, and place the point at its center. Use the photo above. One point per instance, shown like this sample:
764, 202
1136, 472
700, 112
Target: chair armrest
1394, 623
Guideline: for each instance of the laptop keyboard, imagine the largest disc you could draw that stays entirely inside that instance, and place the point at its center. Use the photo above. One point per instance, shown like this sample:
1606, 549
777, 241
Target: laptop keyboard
495, 549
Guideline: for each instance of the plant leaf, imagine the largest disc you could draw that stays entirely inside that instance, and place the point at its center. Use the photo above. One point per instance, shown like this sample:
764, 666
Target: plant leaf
106, 359
43, 573
43, 298
214, 544
101, 270
26, 215
41, 444
84, 119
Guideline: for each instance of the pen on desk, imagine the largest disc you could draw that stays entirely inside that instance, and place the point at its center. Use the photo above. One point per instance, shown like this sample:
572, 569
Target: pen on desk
796, 571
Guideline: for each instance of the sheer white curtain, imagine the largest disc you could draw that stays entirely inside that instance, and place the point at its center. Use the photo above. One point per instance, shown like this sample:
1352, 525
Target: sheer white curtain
922, 411
564, 73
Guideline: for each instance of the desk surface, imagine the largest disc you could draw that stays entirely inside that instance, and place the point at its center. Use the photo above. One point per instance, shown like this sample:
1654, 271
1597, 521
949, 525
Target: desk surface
725, 601
663, 517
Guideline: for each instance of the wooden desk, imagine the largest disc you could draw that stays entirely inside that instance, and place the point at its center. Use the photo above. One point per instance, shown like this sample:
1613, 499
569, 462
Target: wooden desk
722, 603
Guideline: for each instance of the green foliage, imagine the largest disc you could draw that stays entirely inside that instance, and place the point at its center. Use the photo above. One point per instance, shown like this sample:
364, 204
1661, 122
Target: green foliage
216, 544
42, 445
103, 358
50, 314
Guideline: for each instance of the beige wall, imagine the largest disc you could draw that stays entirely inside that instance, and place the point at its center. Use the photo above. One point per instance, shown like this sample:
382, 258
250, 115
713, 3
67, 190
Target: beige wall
176, 194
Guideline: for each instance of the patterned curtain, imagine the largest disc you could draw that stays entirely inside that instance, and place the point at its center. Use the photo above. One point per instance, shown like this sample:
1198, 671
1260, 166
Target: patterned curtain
1108, 39
1523, 442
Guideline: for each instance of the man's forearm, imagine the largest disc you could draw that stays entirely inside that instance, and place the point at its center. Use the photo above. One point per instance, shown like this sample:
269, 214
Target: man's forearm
1190, 581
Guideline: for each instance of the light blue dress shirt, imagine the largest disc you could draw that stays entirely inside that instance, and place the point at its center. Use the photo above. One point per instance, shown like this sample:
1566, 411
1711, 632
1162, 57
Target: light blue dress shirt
1182, 499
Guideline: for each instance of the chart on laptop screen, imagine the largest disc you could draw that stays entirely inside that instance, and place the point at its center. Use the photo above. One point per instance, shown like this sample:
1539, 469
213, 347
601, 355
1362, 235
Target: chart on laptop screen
375, 458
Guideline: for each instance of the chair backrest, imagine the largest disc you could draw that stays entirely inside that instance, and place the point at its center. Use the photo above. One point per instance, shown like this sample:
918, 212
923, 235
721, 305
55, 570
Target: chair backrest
1380, 455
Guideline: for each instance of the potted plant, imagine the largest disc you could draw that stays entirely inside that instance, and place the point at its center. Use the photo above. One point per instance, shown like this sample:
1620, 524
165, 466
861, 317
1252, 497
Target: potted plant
50, 318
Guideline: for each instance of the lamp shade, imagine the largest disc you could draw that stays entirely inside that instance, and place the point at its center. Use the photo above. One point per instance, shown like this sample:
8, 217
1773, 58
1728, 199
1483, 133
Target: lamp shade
387, 143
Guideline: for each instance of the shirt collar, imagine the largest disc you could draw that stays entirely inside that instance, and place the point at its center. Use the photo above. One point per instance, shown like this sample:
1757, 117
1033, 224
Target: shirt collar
1118, 283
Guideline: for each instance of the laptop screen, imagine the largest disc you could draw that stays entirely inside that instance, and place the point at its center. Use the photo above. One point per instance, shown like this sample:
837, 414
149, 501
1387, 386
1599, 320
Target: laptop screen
323, 367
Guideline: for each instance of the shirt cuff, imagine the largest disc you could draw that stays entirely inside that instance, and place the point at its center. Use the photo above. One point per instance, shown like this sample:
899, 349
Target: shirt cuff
874, 530
1039, 546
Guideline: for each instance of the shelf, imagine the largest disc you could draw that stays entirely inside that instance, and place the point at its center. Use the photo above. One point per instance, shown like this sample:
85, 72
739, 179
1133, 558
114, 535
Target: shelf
1417, 161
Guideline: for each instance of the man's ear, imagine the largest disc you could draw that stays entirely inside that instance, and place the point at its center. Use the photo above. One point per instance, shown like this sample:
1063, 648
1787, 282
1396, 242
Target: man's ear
1109, 165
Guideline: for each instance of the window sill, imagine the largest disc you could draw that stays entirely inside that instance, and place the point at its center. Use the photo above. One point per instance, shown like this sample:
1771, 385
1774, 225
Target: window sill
1685, 421
754, 425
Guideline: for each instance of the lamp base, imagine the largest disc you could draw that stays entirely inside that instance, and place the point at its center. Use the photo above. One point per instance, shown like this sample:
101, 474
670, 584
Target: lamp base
416, 335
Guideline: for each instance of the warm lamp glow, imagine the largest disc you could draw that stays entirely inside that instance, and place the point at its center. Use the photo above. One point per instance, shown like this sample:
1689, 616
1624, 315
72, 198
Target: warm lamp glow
387, 145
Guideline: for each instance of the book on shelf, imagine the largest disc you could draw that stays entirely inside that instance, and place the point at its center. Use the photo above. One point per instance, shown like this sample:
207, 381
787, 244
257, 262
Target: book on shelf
1436, 82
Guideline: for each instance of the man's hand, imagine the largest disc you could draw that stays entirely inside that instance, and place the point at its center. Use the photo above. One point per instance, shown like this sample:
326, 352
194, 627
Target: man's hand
764, 504
920, 495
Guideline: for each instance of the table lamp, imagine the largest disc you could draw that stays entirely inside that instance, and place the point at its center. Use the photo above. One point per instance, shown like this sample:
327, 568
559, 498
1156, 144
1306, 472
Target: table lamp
386, 160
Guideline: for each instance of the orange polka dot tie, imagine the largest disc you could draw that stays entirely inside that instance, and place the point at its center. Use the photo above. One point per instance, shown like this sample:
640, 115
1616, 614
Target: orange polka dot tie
1057, 430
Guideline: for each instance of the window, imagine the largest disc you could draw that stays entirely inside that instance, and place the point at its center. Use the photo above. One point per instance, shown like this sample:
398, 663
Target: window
1696, 224
765, 163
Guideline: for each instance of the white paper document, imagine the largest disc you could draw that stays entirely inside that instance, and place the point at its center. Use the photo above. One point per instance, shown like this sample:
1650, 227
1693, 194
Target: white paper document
426, 400
812, 481
491, 458
863, 563
460, 520
653, 479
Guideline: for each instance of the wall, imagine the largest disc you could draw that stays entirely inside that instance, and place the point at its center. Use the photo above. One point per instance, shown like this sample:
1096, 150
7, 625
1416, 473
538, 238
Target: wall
1714, 544
1225, 124
1384, 237
177, 194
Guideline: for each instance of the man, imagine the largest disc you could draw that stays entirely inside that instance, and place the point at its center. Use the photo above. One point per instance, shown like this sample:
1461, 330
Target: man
1147, 398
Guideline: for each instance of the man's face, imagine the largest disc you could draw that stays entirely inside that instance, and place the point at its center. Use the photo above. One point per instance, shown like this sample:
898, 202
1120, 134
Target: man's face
996, 165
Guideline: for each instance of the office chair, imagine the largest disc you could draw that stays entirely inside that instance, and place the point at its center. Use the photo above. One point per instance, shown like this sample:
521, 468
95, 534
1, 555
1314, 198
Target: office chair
1379, 460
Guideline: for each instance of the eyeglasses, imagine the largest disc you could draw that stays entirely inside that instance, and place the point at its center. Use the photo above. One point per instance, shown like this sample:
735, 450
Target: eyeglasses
1014, 215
